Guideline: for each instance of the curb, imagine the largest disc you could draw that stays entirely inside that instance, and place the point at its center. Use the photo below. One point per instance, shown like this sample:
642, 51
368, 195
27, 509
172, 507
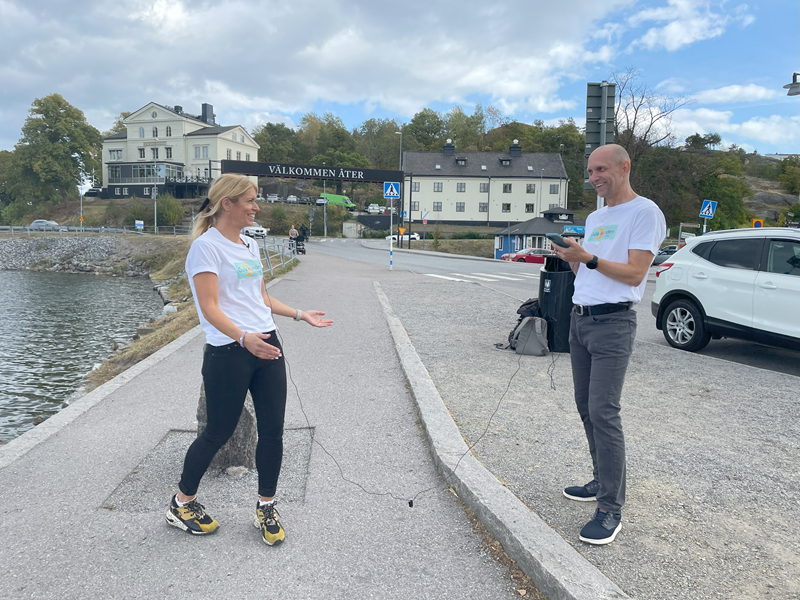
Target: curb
555, 567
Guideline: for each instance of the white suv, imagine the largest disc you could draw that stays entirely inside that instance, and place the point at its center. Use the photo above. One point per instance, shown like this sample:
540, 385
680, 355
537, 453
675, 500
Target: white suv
741, 283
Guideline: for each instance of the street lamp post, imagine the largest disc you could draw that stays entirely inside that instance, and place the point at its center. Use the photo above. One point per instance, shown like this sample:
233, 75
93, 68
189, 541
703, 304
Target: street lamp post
324, 209
400, 168
154, 195
541, 177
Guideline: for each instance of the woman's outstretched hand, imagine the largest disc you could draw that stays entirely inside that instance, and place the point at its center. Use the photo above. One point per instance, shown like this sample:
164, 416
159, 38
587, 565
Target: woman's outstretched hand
314, 318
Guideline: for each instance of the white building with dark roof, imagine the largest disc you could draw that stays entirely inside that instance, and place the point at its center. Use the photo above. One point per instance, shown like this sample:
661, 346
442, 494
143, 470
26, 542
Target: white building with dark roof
483, 188
173, 151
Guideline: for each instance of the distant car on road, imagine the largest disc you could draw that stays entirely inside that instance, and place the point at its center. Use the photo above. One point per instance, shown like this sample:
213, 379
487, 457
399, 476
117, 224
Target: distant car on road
321, 201
45, 225
414, 236
305, 200
374, 209
273, 198
739, 283
529, 255
255, 231
291, 199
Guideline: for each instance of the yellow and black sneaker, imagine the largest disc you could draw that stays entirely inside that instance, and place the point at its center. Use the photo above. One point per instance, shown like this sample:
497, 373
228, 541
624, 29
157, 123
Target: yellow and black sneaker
267, 521
191, 517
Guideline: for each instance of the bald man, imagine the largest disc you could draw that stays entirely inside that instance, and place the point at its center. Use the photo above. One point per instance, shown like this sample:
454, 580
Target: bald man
611, 271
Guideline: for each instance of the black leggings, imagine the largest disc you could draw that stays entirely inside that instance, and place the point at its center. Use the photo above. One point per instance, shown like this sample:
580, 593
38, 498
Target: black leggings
228, 372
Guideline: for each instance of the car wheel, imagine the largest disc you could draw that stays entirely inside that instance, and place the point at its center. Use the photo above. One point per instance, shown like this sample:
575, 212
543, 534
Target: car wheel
683, 327
520, 260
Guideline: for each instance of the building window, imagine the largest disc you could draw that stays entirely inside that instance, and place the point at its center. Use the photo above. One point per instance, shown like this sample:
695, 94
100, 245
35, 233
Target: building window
437, 186
141, 132
241, 138
115, 154
114, 172
461, 187
205, 151
530, 188
169, 152
414, 205
483, 207
505, 162
462, 162
228, 154
507, 207
116, 191
233, 137
553, 188
238, 155
155, 153
459, 206
506, 188
169, 131
437, 207
197, 151
485, 188
155, 131
554, 206
415, 186
124, 191
247, 157
529, 208
146, 191
141, 152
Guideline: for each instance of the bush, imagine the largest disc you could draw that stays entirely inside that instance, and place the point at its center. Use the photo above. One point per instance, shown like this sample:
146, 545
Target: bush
467, 235
138, 211
15, 212
437, 238
278, 221
374, 234
170, 211
114, 213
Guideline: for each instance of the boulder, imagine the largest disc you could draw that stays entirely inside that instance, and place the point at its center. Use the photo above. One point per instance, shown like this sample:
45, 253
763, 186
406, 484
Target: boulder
240, 450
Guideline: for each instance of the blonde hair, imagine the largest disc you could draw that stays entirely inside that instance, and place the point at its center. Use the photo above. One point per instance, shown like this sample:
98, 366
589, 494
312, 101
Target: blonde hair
228, 186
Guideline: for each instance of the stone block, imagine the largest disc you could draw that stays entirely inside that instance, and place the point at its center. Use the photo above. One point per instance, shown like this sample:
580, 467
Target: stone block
240, 450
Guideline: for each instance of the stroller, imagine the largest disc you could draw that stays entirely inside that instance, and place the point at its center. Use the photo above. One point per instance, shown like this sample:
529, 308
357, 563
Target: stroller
299, 244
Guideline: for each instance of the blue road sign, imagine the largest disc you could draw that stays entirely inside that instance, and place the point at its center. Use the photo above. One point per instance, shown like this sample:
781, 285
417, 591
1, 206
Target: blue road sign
391, 190
707, 211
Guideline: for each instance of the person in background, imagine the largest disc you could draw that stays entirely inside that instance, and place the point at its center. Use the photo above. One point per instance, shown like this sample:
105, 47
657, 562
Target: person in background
242, 352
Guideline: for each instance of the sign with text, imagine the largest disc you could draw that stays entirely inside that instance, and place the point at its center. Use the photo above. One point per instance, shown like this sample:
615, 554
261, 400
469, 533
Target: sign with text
327, 172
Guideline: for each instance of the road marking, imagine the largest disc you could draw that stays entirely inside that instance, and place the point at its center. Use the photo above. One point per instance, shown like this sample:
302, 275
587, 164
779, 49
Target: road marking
527, 275
445, 277
501, 277
474, 277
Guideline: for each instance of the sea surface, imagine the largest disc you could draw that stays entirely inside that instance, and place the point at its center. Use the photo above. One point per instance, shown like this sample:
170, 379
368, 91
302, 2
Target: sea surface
56, 327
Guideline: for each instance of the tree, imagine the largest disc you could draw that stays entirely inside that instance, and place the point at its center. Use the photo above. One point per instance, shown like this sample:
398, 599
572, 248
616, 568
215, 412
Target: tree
277, 143
642, 117
58, 148
702, 142
341, 159
170, 211
118, 124
790, 174
426, 128
378, 141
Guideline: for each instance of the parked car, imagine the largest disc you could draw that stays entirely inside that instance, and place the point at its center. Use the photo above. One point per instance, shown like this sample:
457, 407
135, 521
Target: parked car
291, 199
413, 236
273, 198
321, 201
375, 209
663, 255
255, 231
741, 283
305, 200
530, 255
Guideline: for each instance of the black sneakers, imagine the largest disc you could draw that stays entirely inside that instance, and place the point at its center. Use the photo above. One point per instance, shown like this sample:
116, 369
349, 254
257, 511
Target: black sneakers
583, 493
267, 521
191, 518
602, 529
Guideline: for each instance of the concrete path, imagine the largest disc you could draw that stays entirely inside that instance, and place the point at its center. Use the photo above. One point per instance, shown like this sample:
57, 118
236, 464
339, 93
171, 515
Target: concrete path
82, 510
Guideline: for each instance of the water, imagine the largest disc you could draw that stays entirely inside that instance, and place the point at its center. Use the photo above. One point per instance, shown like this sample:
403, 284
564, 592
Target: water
55, 327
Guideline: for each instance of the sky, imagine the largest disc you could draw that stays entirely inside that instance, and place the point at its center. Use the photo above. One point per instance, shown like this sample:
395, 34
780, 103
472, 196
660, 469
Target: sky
260, 61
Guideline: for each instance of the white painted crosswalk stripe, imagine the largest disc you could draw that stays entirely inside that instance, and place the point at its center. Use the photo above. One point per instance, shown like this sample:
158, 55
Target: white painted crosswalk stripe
445, 277
505, 277
474, 277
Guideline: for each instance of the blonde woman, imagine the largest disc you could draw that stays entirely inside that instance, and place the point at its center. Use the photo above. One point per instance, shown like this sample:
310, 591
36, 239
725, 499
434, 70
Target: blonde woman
242, 352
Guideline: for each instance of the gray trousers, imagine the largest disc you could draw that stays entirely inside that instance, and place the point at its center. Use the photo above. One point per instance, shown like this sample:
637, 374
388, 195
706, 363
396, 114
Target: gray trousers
600, 348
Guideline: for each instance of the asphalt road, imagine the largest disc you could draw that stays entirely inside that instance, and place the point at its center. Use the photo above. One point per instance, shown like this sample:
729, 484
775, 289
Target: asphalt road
521, 281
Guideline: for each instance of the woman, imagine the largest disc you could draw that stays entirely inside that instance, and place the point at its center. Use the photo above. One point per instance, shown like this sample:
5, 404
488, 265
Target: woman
293, 233
242, 352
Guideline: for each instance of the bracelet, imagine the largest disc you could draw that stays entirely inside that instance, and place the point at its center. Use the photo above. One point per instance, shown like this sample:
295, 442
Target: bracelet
299, 315
241, 339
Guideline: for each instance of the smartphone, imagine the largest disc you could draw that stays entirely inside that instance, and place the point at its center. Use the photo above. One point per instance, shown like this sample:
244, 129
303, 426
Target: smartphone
557, 240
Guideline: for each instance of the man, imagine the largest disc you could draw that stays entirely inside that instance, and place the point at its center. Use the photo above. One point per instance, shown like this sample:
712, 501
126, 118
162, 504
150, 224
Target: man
611, 271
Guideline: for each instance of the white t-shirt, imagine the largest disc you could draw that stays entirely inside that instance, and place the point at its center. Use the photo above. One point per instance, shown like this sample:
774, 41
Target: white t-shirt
610, 233
239, 280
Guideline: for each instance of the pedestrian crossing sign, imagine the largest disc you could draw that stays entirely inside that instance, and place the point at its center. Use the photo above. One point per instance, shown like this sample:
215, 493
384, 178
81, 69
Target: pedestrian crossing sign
391, 190
708, 208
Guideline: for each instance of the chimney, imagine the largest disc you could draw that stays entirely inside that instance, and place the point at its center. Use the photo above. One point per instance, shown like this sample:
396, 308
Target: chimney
515, 149
208, 115
178, 109
449, 149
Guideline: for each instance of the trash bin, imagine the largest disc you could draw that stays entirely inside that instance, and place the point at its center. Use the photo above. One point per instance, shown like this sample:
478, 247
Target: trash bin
556, 286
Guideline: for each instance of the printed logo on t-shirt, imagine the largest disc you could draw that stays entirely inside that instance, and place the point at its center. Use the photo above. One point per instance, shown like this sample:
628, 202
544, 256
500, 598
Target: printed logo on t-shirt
248, 268
601, 234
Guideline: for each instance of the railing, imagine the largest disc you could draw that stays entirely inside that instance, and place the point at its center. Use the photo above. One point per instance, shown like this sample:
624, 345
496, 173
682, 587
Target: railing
119, 180
284, 250
22, 231
191, 179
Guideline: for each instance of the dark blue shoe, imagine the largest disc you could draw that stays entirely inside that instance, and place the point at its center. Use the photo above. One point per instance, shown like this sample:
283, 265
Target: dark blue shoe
602, 529
583, 493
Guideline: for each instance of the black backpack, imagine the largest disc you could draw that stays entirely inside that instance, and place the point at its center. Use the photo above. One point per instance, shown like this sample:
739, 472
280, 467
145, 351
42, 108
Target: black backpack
529, 335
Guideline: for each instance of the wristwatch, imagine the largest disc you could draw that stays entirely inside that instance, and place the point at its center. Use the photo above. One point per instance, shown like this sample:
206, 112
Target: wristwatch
592, 264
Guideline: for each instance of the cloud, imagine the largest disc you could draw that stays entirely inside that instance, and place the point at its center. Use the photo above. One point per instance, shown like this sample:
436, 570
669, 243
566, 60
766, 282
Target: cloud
736, 93
774, 129
687, 22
